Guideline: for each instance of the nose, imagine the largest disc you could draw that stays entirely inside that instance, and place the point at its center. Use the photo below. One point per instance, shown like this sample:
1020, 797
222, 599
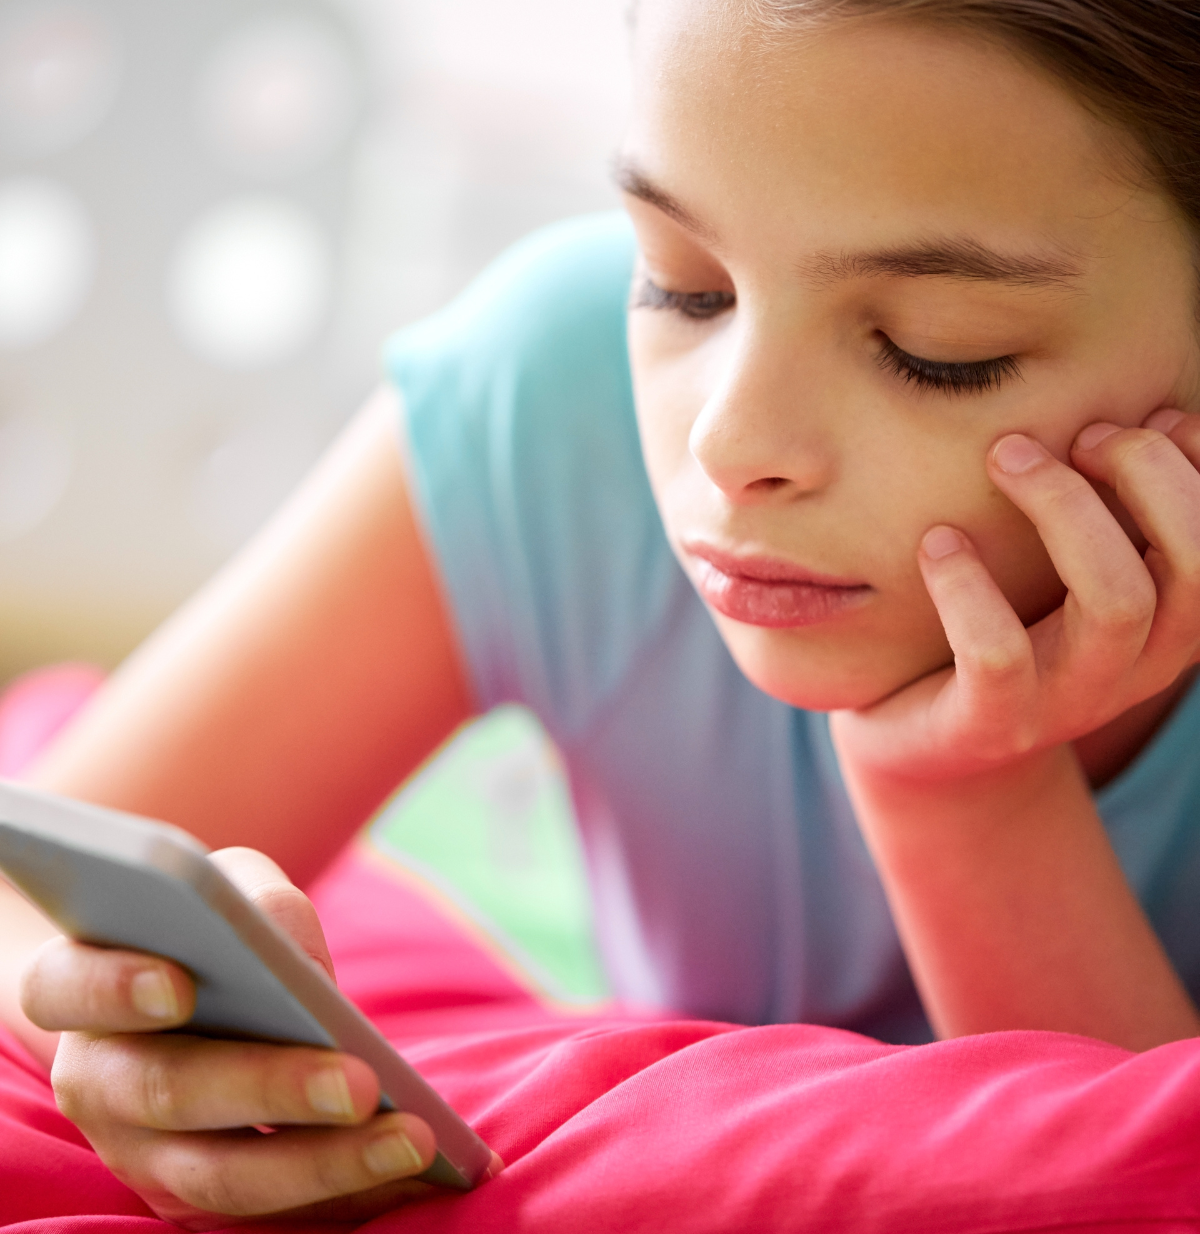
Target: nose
760, 436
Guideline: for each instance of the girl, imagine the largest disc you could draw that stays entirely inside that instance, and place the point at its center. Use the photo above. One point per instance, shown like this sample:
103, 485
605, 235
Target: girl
914, 355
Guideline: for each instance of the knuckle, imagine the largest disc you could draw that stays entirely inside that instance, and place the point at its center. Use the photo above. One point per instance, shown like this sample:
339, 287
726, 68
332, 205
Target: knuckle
280, 898
336, 1172
32, 997
1024, 737
1013, 740
1143, 452
1135, 445
272, 1086
1185, 566
1186, 434
1071, 495
289, 907
1000, 663
69, 1094
45, 984
1126, 610
157, 1097
185, 1166
76, 1076
1144, 443
206, 1188
69, 1098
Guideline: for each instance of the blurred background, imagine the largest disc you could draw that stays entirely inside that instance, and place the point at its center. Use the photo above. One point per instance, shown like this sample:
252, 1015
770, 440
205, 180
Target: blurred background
212, 212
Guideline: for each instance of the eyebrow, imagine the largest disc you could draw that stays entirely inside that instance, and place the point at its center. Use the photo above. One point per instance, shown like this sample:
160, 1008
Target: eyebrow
949, 257
629, 178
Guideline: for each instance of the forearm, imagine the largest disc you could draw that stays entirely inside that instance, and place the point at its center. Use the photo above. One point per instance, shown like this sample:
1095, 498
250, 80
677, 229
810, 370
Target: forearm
22, 931
1013, 910
283, 704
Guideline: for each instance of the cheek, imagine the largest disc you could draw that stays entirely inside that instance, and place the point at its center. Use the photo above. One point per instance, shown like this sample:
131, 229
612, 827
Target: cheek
667, 398
1013, 552
952, 486
898, 473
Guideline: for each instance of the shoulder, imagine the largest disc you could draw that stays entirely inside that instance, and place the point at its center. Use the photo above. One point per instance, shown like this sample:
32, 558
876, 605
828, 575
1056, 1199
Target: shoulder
527, 470
556, 300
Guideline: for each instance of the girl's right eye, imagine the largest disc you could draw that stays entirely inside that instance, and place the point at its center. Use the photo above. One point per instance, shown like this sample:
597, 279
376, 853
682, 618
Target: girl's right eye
698, 305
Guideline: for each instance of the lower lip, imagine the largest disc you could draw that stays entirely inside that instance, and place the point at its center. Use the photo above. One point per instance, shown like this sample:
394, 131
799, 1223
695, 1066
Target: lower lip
776, 605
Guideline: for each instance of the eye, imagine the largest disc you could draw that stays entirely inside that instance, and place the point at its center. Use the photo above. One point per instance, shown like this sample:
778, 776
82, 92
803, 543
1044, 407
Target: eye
698, 305
969, 377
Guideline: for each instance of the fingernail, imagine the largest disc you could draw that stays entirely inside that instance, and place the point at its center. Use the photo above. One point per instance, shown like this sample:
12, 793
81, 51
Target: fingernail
1094, 434
392, 1156
152, 993
1164, 420
329, 1093
1016, 454
940, 542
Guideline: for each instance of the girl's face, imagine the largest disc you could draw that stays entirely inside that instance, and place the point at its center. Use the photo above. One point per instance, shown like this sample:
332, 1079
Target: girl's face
867, 252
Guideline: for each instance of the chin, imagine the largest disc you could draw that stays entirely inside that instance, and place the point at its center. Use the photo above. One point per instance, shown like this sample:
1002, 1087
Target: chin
824, 677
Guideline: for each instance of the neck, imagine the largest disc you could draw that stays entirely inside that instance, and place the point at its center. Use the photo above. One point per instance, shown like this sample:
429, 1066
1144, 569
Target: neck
1105, 753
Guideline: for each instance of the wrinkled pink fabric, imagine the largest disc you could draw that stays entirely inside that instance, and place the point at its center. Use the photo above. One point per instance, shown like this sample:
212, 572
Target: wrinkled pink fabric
614, 1123
627, 1124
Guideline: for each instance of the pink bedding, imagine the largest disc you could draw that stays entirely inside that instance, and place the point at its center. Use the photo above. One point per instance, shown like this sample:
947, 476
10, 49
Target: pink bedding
625, 1123
628, 1124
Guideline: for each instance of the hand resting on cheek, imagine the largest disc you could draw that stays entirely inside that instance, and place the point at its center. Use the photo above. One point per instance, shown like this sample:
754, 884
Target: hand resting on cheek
1128, 629
1012, 907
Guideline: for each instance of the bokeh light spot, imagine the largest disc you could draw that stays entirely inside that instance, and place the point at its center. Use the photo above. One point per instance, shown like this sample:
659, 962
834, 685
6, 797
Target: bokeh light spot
278, 97
47, 256
59, 75
249, 283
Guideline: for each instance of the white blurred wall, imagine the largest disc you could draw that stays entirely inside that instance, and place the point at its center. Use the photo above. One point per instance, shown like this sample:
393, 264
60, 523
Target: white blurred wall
137, 451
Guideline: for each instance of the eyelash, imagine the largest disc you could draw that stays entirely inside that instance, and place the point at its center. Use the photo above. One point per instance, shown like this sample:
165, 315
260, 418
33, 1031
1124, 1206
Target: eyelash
944, 376
969, 377
696, 305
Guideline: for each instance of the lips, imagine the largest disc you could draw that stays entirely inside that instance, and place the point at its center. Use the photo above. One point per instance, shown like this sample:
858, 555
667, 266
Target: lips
767, 591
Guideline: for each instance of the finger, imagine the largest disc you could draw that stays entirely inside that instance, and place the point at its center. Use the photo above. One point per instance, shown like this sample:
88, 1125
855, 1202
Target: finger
1111, 596
1160, 488
995, 671
248, 1175
73, 987
1181, 428
182, 1083
262, 882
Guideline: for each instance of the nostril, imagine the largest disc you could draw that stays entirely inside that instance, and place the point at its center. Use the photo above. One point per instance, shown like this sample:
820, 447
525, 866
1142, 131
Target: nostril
768, 484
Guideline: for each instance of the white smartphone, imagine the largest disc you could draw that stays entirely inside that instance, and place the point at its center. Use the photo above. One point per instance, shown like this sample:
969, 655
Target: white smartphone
117, 880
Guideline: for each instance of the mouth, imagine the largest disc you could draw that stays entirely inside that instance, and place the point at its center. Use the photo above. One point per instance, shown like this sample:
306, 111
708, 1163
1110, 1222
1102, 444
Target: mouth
769, 591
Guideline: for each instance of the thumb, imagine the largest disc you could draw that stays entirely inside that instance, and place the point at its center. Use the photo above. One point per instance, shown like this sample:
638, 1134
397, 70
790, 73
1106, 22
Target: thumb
270, 890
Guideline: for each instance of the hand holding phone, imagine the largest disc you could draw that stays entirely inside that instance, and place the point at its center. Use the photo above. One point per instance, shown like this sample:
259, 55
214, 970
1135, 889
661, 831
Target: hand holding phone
175, 1114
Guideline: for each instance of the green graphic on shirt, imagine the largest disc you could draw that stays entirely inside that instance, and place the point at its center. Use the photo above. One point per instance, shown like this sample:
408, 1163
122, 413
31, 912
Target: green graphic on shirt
488, 823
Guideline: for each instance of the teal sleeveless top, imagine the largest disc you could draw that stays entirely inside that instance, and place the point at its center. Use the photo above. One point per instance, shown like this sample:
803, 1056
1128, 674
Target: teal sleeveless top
730, 880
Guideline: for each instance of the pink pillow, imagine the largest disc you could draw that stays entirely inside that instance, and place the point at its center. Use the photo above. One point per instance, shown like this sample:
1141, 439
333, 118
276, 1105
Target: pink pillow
634, 1124
628, 1123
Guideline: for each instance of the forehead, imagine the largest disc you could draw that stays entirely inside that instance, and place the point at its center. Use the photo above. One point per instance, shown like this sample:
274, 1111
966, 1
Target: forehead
873, 124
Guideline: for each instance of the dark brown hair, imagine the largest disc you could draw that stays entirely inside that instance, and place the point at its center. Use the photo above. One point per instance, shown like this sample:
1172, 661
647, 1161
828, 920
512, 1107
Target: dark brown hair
1136, 62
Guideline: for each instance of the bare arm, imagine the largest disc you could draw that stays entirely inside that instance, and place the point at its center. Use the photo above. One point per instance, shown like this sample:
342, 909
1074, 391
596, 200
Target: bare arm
1011, 904
283, 703
1013, 910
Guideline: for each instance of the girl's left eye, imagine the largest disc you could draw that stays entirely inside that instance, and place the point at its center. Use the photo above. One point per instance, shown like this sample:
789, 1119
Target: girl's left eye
950, 377
698, 305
